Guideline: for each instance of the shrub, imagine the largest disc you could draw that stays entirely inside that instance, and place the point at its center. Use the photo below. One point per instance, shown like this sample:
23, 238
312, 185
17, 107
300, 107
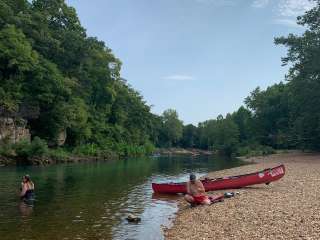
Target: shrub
255, 150
86, 150
149, 147
6, 150
59, 154
22, 149
37, 148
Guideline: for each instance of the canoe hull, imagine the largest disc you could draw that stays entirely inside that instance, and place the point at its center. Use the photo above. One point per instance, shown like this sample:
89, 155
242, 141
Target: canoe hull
266, 176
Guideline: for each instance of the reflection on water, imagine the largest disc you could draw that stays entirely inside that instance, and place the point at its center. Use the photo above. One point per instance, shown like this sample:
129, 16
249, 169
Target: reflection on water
25, 209
92, 200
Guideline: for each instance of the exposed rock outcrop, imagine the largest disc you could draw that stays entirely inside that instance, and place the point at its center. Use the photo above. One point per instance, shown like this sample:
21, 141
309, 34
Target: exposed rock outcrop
59, 140
13, 130
62, 137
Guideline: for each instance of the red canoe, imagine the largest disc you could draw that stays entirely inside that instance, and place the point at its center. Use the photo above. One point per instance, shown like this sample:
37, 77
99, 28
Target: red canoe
265, 176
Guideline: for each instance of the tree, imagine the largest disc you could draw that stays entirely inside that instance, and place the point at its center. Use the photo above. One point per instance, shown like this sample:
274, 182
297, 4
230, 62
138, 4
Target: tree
189, 136
172, 127
271, 115
17, 60
304, 80
227, 135
220, 134
60, 80
243, 118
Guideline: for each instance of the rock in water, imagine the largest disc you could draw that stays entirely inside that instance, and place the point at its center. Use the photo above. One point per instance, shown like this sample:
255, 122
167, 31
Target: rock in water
133, 218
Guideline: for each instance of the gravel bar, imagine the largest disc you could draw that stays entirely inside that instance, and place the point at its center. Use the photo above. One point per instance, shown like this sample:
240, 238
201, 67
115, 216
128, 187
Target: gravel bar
285, 209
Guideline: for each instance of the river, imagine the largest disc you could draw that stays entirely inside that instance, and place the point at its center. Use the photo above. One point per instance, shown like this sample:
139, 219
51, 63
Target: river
92, 200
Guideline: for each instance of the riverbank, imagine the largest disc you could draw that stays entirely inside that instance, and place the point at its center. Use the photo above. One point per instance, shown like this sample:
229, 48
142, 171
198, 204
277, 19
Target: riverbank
286, 209
53, 159
182, 151
61, 156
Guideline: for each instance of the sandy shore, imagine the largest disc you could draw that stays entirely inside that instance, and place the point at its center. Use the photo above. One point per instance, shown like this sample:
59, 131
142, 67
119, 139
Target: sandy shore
286, 209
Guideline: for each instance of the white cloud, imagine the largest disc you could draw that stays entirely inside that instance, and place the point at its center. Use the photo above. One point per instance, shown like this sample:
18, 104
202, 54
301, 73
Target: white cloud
294, 8
287, 22
179, 77
288, 10
260, 3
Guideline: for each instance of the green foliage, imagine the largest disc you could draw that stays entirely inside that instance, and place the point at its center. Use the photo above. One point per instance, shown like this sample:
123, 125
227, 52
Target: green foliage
254, 150
121, 149
17, 60
86, 150
60, 80
304, 81
6, 150
189, 136
244, 120
225, 135
221, 134
270, 110
149, 148
58, 154
172, 128
26, 150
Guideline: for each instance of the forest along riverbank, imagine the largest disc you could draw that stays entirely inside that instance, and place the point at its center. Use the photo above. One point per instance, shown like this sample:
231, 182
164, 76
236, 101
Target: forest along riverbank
286, 209
65, 157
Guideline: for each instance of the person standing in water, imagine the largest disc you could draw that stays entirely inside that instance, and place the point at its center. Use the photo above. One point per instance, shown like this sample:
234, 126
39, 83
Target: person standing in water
196, 192
27, 188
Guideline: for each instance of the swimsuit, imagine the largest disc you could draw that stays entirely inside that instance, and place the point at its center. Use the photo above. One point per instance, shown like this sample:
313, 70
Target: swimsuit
29, 195
199, 199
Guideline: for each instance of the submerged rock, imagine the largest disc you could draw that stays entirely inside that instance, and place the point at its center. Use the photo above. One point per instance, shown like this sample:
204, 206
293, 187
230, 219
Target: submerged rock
133, 218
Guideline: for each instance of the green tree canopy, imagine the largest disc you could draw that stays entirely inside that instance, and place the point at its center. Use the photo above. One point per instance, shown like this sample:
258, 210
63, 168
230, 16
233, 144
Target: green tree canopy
304, 79
172, 128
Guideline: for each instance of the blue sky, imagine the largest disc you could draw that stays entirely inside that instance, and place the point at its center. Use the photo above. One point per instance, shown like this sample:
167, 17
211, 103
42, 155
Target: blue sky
200, 57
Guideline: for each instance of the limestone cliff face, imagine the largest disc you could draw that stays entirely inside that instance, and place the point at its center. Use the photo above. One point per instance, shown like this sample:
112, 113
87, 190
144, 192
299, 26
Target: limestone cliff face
60, 139
13, 130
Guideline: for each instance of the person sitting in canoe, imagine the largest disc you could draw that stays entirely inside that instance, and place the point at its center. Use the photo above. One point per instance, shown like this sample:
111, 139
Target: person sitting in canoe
27, 188
195, 192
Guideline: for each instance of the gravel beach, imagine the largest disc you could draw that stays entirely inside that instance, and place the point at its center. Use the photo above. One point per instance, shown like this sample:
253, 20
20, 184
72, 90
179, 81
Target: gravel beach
285, 209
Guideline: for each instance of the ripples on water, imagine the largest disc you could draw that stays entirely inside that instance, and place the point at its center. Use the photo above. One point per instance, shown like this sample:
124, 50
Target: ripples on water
91, 201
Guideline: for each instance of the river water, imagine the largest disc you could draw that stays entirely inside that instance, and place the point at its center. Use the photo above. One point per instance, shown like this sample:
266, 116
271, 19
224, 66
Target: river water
92, 200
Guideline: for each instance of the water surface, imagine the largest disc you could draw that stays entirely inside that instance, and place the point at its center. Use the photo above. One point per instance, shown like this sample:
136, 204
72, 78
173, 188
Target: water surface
92, 200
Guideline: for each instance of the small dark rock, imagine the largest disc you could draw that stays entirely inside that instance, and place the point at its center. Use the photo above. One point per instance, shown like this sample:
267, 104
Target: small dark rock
133, 218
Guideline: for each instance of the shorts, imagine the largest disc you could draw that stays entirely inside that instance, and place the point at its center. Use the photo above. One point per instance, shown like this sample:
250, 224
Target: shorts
200, 199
